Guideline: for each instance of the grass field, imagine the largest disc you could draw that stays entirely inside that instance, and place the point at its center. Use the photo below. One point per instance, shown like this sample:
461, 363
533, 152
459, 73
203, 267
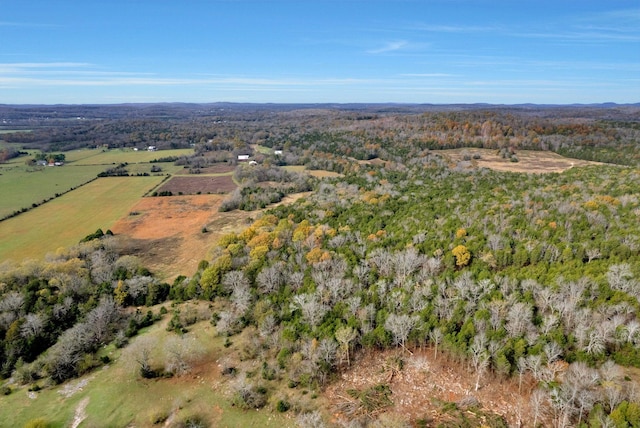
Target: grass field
116, 156
65, 220
115, 396
21, 186
318, 173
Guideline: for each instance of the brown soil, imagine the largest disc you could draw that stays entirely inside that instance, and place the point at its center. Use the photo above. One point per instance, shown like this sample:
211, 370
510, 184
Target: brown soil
424, 383
167, 232
189, 185
528, 161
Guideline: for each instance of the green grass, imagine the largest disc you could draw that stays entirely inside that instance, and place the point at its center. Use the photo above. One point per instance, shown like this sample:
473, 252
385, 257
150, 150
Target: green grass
21, 186
263, 149
65, 220
12, 131
117, 156
118, 397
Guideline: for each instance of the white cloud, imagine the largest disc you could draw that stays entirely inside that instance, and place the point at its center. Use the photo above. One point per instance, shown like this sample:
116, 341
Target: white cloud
389, 47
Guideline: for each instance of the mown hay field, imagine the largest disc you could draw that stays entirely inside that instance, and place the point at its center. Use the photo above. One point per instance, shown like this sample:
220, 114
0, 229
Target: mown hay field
22, 186
64, 221
117, 156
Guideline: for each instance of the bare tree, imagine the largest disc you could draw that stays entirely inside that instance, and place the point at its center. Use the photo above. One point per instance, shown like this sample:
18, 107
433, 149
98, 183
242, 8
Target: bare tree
405, 263
100, 319
181, 352
296, 279
552, 350
480, 362
270, 278
33, 325
12, 302
236, 279
436, 336
400, 327
140, 352
539, 403
312, 309
519, 319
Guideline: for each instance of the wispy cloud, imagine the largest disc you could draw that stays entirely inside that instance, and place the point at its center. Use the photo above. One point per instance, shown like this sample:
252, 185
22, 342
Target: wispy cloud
454, 28
389, 47
427, 75
21, 67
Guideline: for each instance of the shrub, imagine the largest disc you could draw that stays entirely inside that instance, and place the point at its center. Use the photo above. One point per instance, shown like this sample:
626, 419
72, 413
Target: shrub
282, 406
37, 423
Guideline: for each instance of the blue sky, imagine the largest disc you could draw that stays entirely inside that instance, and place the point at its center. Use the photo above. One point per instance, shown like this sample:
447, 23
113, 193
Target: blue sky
413, 51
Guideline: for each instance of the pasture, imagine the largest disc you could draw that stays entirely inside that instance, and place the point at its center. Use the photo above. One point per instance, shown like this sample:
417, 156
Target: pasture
117, 156
117, 396
64, 221
22, 186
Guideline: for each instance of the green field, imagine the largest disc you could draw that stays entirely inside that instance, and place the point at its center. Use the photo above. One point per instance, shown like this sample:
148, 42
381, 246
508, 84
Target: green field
21, 186
116, 156
117, 397
65, 220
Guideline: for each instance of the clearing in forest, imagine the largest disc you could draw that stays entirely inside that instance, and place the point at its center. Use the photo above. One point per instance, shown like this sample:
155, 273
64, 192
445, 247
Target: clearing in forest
529, 161
173, 234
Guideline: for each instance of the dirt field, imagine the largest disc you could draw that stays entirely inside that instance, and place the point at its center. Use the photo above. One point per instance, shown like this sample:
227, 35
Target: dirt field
529, 161
191, 185
219, 168
167, 232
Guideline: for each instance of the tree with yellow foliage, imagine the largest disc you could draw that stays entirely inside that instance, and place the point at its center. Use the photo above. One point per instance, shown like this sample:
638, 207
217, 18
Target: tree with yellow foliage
462, 255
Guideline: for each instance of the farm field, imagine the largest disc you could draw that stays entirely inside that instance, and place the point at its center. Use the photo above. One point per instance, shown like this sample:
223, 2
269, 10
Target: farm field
65, 220
166, 233
21, 186
190, 185
116, 156
116, 396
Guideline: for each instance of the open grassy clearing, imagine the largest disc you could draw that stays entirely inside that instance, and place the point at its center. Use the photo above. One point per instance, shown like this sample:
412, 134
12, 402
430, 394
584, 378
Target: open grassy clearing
116, 156
319, 173
22, 186
167, 232
528, 161
262, 149
11, 131
116, 396
65, 220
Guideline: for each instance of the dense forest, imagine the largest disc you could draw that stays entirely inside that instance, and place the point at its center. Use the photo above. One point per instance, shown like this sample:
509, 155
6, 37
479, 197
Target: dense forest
513, 274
